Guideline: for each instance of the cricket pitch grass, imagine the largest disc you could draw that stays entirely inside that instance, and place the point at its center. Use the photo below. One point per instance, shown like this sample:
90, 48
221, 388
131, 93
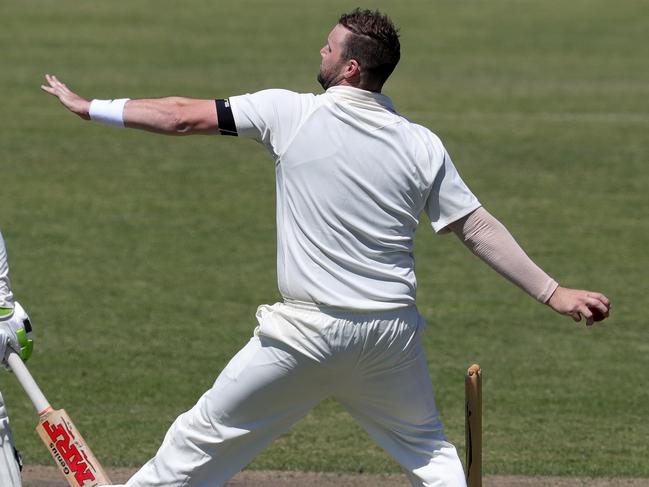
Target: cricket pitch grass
47, 477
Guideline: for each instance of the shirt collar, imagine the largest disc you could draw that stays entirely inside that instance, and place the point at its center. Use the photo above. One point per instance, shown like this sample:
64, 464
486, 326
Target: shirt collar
364, 98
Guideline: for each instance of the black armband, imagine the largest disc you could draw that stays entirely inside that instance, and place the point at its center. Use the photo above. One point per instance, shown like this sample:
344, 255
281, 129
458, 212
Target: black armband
225, 117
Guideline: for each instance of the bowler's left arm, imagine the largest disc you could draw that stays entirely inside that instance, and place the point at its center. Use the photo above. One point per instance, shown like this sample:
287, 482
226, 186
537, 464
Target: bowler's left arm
173, 115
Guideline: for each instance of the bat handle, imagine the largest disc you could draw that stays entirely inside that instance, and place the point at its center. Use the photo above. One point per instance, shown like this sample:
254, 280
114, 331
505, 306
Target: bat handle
28, 383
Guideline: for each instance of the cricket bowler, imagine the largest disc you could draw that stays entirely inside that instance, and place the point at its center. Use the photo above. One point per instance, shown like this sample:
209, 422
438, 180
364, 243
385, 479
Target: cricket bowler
352, 178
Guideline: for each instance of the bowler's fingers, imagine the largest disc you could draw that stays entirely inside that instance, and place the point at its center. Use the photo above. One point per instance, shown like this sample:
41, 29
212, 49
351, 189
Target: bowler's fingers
594, 308
55, 87
52, 86
49, 89
579, 311
601, 299
600, 305
67, 97
588, 315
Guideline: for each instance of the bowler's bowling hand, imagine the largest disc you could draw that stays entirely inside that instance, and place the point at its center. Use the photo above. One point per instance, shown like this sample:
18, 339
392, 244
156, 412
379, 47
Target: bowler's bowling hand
15, 333
68, 98
580, 304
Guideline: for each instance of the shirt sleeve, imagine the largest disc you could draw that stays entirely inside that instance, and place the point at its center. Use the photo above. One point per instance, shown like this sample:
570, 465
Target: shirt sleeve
270, 117
6, 296
488, 239
450, 198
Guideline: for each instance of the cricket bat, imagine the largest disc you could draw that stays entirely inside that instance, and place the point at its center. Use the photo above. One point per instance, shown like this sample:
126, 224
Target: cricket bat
70, 451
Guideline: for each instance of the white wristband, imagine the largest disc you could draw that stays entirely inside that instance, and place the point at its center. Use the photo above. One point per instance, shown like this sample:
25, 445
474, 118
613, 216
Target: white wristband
108, 111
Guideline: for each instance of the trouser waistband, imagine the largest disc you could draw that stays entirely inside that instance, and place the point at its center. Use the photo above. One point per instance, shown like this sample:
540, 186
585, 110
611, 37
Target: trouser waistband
308, 306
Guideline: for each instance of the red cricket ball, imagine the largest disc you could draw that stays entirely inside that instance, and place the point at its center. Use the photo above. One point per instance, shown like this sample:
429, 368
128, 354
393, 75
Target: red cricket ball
597, 314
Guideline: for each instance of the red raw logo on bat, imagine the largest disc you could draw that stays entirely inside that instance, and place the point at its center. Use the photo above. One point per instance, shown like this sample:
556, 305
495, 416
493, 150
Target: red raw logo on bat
68, 453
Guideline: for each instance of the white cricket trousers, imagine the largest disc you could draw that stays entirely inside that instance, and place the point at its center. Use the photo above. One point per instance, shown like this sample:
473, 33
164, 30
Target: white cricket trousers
373, 364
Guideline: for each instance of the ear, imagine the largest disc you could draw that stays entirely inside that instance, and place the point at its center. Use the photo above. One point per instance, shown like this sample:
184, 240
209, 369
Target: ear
352, 69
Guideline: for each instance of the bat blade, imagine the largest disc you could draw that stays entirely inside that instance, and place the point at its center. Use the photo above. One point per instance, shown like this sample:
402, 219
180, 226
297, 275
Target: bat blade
70, 451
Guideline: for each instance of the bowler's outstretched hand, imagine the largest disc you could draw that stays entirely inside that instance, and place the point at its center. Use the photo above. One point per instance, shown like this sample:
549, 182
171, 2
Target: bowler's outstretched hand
580, 304
68, 98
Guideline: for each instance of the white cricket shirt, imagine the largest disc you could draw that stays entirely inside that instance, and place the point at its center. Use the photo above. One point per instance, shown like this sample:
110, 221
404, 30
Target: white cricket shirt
353, 176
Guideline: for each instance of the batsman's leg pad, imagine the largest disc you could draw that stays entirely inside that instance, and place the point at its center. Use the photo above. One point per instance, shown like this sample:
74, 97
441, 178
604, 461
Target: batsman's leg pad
10, 463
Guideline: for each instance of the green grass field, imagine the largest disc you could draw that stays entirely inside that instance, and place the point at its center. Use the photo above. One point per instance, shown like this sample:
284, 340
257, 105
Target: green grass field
142, 258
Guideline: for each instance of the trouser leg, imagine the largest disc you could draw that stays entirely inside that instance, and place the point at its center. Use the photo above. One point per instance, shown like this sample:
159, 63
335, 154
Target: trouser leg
395, 404
263, 390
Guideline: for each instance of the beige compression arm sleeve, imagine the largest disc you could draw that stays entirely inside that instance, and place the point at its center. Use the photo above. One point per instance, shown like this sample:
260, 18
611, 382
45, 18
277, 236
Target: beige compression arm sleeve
487, 238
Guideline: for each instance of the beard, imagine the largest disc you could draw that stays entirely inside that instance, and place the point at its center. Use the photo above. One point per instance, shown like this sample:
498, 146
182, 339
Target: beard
330, 76
323, 81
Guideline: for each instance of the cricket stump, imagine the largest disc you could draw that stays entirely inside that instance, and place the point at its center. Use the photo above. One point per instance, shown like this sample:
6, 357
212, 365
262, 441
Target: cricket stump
473, 425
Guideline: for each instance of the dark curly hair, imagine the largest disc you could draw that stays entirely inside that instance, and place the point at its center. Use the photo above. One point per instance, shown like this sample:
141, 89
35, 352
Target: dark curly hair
373, 42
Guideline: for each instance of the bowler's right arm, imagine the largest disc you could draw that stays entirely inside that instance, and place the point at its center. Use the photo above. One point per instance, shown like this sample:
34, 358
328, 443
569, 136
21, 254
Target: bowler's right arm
489, 240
